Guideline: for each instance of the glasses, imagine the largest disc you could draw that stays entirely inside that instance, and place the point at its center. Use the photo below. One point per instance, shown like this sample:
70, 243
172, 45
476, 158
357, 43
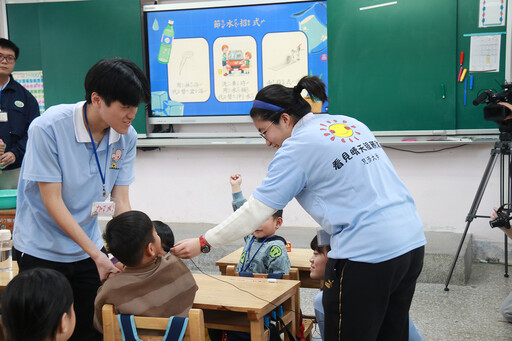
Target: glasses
8, 59
263, 133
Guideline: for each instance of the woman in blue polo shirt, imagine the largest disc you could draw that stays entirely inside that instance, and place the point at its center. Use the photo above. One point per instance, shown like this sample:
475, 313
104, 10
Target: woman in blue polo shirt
337, 170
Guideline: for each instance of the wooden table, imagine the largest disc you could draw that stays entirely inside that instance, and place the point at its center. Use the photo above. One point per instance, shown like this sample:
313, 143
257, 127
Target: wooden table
299, 258
241, 303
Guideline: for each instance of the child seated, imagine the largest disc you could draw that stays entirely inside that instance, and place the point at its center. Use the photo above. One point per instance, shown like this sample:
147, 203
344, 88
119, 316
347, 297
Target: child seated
150, 284
166, 237
264, 252
317, 272
165, 233
37, 304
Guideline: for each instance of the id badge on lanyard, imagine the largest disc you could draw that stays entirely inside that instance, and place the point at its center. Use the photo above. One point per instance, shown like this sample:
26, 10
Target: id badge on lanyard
103, 208
100, 208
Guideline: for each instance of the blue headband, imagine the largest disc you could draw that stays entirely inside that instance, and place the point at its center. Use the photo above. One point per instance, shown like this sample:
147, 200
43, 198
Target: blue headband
267, 106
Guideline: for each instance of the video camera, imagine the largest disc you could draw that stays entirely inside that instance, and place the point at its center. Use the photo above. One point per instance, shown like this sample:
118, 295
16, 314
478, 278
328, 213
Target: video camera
503, 219
493, 111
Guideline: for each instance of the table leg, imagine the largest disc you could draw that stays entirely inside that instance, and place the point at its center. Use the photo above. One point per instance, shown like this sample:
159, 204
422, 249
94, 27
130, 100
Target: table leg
257, 330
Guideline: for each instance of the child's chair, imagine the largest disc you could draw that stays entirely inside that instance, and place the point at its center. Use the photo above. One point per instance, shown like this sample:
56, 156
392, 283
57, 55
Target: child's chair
292, 274
112, 330
308, 321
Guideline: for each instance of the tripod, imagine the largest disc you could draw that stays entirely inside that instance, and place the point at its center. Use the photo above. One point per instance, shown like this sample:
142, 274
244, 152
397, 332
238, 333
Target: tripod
503, 149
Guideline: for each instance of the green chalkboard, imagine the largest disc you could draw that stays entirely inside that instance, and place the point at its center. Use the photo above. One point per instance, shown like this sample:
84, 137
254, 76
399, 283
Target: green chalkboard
64, 39
388, 65
470, 116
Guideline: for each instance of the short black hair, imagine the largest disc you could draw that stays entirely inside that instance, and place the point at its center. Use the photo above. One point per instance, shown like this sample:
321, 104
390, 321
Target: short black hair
117, 80
7, 44
127, 236
319, 248
278, 214
33, 304
165, 233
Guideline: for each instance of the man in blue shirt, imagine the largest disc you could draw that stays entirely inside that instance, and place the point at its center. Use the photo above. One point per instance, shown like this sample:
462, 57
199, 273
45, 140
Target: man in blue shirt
78, 156
17, 109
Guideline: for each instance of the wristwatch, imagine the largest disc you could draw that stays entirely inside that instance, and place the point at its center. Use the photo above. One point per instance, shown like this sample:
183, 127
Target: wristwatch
205, 248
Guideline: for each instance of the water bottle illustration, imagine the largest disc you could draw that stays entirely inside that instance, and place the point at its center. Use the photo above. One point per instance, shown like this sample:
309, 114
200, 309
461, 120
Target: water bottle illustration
166, 43
313, 22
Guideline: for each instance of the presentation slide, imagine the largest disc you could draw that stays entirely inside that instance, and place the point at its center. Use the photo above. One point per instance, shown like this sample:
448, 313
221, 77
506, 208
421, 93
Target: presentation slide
213, 61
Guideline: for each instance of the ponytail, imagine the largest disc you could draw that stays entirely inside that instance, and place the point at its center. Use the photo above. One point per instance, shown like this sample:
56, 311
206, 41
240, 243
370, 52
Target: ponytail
279, 96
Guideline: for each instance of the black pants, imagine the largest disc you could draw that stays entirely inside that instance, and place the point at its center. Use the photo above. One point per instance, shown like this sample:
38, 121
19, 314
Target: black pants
85, 281
367, 302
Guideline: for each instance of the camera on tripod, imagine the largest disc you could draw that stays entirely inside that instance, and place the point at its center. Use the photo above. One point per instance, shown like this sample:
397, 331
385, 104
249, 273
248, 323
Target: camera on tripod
503, 219
493, 111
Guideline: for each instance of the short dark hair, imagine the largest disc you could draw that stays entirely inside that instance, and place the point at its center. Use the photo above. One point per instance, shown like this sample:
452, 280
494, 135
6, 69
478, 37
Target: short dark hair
127, 236
7, 44
278, 214
165, 233
33, 304
289, 99
319, 248
117, 80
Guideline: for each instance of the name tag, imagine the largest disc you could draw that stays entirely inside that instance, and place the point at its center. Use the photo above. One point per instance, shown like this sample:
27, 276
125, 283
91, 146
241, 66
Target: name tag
103, 208
3, 116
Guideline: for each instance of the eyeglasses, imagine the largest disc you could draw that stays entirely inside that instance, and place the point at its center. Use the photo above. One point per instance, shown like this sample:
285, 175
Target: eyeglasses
263, 133
8, 59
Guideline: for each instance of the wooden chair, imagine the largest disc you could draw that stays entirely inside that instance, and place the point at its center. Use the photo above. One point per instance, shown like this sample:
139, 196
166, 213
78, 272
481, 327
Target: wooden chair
112, 331
309, 323
293, 273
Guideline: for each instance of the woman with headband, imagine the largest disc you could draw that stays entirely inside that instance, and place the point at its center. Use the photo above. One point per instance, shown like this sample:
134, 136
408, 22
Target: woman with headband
338, 172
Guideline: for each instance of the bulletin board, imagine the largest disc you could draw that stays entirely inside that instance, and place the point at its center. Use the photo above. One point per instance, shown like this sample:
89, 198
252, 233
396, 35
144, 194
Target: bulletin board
211, 58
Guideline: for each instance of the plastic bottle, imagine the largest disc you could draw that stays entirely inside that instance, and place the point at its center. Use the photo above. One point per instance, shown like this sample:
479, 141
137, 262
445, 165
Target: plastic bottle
166, 43
5, 250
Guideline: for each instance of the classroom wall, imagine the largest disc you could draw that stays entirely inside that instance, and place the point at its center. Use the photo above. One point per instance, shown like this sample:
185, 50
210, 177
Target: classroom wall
191, 185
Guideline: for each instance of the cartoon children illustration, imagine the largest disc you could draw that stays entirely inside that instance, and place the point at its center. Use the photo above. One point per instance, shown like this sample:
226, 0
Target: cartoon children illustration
225, 49
247, 61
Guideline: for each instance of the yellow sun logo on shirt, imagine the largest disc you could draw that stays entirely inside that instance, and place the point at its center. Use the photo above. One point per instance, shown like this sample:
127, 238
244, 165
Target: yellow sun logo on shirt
342, 130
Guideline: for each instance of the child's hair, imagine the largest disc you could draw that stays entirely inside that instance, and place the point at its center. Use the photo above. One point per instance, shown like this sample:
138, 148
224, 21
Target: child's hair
278, 214
248, 54
33, 304
319, 248
117, 80
127, 236
288, 100
165, 233
7, 44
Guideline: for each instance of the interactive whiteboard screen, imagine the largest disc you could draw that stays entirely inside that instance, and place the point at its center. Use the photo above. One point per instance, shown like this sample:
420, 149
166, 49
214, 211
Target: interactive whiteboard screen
211, 58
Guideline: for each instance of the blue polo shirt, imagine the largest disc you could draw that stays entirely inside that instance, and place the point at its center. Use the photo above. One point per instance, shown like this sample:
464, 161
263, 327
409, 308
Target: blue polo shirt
339, 173
59, 150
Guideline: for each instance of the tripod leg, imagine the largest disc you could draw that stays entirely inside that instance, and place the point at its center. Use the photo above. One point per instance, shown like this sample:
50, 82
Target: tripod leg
506, 257
474, 207
506, 170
